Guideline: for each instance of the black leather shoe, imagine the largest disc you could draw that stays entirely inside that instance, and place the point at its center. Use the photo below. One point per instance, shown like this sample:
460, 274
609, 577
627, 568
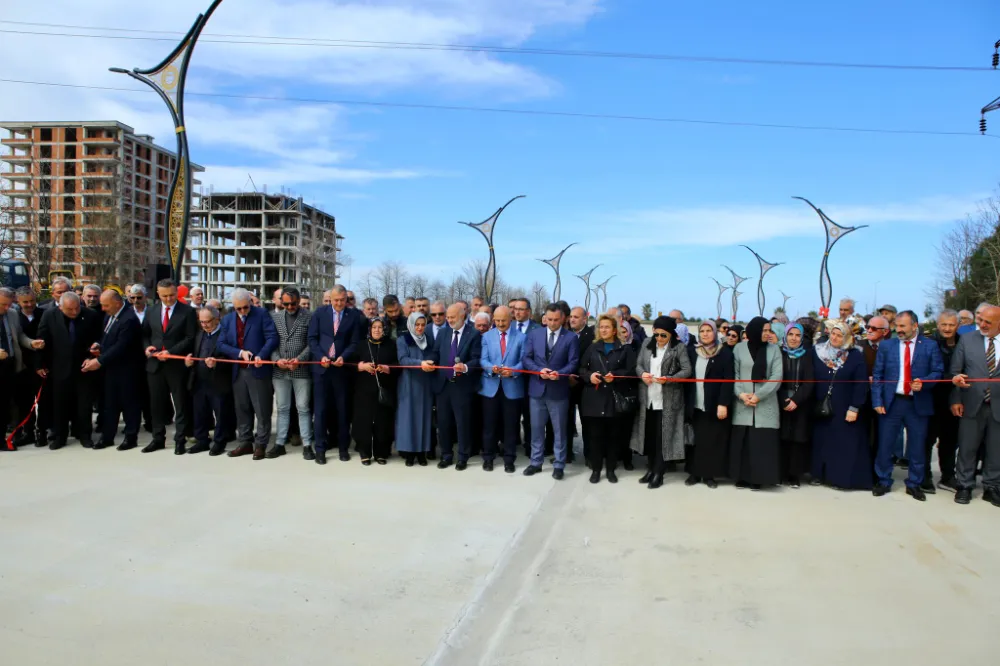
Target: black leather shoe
367, 462
241, 450
612, 477
509, 468
345, 457
308, 453
963, 496
557, 474
531, 470
127, 446
928, 486
198, 448
444, 464
179, 449
711, 483
647, 477
24, 439
431, 455
461, 466
628, 466
217, 449
691, 481
488, 465
880, 490
86, 443
275, 452
422, 459
595, 476
655, 482
409, 462
154, 446
56, 444
101, 444
917, 494
320, 457
948, 484
992, 495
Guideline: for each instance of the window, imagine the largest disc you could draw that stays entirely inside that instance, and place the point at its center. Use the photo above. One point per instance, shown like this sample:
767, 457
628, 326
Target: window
46, 134
71, 134
70, 152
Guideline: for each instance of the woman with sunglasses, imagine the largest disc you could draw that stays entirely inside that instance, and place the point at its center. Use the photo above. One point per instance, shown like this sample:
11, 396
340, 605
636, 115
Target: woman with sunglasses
605, 427
734, 335
416, 392
709, 406
375, 396
659, 427
796, 405
755, 449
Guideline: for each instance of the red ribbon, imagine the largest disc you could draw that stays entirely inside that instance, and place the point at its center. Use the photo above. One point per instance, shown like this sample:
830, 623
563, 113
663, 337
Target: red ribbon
10, 437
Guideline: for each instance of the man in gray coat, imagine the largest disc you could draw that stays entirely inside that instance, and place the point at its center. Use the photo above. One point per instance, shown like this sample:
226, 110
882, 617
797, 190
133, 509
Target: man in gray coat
290, 378
12, 338
975, 358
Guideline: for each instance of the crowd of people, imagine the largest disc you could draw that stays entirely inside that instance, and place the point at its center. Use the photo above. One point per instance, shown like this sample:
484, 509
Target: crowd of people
841, 402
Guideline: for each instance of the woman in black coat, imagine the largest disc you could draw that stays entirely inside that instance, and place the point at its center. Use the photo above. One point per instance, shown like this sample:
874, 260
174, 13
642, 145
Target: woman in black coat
795, 400
607, 430
373, 422
709, 406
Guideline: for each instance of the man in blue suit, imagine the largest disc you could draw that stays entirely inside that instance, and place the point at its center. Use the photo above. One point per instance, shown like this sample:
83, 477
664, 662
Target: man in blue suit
248, 334
334, 333
551, 351
524, 324
902, 364
502, 389
458, 348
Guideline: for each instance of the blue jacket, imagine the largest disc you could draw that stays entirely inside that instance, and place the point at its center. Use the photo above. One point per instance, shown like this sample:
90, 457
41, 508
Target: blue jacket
260, 337
513, 387
925, 363
564, 359
352, 329
469, 350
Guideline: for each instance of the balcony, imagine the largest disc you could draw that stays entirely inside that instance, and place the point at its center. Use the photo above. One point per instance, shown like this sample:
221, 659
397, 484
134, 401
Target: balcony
16, 141
100, 140
14, 157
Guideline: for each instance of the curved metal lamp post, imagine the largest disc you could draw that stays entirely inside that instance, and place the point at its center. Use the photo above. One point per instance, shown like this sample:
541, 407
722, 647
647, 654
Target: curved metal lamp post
718, 303
834, 232
765, 266
554, 263
784, 303
486, 229
737, 281
168, 80
604, 292
586, 281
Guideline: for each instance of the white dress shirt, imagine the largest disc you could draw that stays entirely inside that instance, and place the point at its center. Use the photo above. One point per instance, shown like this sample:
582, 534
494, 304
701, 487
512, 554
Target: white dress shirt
554, 338
902, 360
521, 326
140, 315
655, 391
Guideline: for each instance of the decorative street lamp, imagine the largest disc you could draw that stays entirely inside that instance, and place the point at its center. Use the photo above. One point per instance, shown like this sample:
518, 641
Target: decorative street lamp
784, 303
765, 266
718, 303
486, 229
168, 80
554, 263
737, 281
604, 292
586, 281
834, 232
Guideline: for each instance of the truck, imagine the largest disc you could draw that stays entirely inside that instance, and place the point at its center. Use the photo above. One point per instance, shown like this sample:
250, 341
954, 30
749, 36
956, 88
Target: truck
14, 274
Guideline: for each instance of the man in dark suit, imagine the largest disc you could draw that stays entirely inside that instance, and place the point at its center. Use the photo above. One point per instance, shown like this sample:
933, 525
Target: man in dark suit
248, 335
69, 332
457, 349
524, 324
585, 336
876, 331
119, 366
59, 286
14, 343
554, 353
28, 382
210, 387
902, 365
334, 333
975, 357
168, 328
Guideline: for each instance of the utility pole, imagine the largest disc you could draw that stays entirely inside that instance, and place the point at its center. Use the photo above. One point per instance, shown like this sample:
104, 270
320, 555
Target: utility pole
995, 104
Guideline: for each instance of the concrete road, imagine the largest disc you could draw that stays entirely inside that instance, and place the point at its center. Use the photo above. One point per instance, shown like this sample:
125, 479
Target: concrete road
114, 558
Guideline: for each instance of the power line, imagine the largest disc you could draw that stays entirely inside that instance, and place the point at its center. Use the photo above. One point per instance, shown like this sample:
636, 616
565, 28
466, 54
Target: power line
525, 112
272, 40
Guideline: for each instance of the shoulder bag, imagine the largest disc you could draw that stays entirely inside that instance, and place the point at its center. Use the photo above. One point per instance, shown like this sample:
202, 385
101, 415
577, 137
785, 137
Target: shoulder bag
622, 404
824, 408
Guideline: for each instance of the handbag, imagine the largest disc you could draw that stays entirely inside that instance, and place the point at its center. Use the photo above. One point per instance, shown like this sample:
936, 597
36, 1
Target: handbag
621, 404
824, 409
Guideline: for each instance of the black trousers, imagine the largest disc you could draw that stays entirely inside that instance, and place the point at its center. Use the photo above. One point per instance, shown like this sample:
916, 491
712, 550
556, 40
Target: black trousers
943, 429
73, 400
605, 435
208, 407
454, 407
165, 385
119, 400
8, 386
653, 441
500, 424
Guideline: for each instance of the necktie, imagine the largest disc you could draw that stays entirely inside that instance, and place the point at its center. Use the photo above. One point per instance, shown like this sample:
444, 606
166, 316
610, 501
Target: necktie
552, 343
907, 376
520, 327
336, 327
991, 365
72, 332
452, 355
166, 321
503, 344
111, 320
4, 345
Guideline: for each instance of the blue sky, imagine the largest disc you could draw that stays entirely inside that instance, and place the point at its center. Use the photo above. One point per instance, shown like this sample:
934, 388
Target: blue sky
661, 205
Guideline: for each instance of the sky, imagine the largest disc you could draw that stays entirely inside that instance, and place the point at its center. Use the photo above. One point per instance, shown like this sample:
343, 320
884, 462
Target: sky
661, 205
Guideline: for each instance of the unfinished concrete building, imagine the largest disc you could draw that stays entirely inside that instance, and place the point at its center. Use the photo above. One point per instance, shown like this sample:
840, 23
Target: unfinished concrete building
260, 242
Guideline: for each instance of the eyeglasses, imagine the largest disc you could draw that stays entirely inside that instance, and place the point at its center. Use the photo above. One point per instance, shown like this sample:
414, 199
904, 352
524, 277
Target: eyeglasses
661, 335
517, 309
732, 335
286, 304
135, 298
437, 314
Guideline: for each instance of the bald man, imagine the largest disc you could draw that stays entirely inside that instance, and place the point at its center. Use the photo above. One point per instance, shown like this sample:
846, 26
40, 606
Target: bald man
457, 349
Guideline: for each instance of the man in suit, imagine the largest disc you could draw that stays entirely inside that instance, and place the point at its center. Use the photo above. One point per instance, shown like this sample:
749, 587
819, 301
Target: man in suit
900, 398
458, 349
943, 426
119, 363
524, 324
334, 333
69, 332
585, 336
551, 351
59, 286
876, 331
35, 429
502, 389
211, 387
292, 380
12, 339
975, 357
248, 335
168, 328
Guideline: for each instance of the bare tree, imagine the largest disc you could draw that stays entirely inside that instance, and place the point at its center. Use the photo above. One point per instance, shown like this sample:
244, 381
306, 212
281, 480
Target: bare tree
540, 296
111, 250
969, 256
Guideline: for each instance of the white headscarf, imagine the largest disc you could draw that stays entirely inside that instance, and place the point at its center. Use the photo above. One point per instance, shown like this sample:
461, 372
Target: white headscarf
411, 326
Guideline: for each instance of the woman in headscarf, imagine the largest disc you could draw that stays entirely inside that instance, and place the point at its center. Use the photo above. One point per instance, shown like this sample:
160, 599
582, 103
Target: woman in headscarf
415, 395
658, 432
777, 333
683, 334
755, 448
627, 338
840, 453
734, 335
709, 406
604, 426
375, 396
796, 405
